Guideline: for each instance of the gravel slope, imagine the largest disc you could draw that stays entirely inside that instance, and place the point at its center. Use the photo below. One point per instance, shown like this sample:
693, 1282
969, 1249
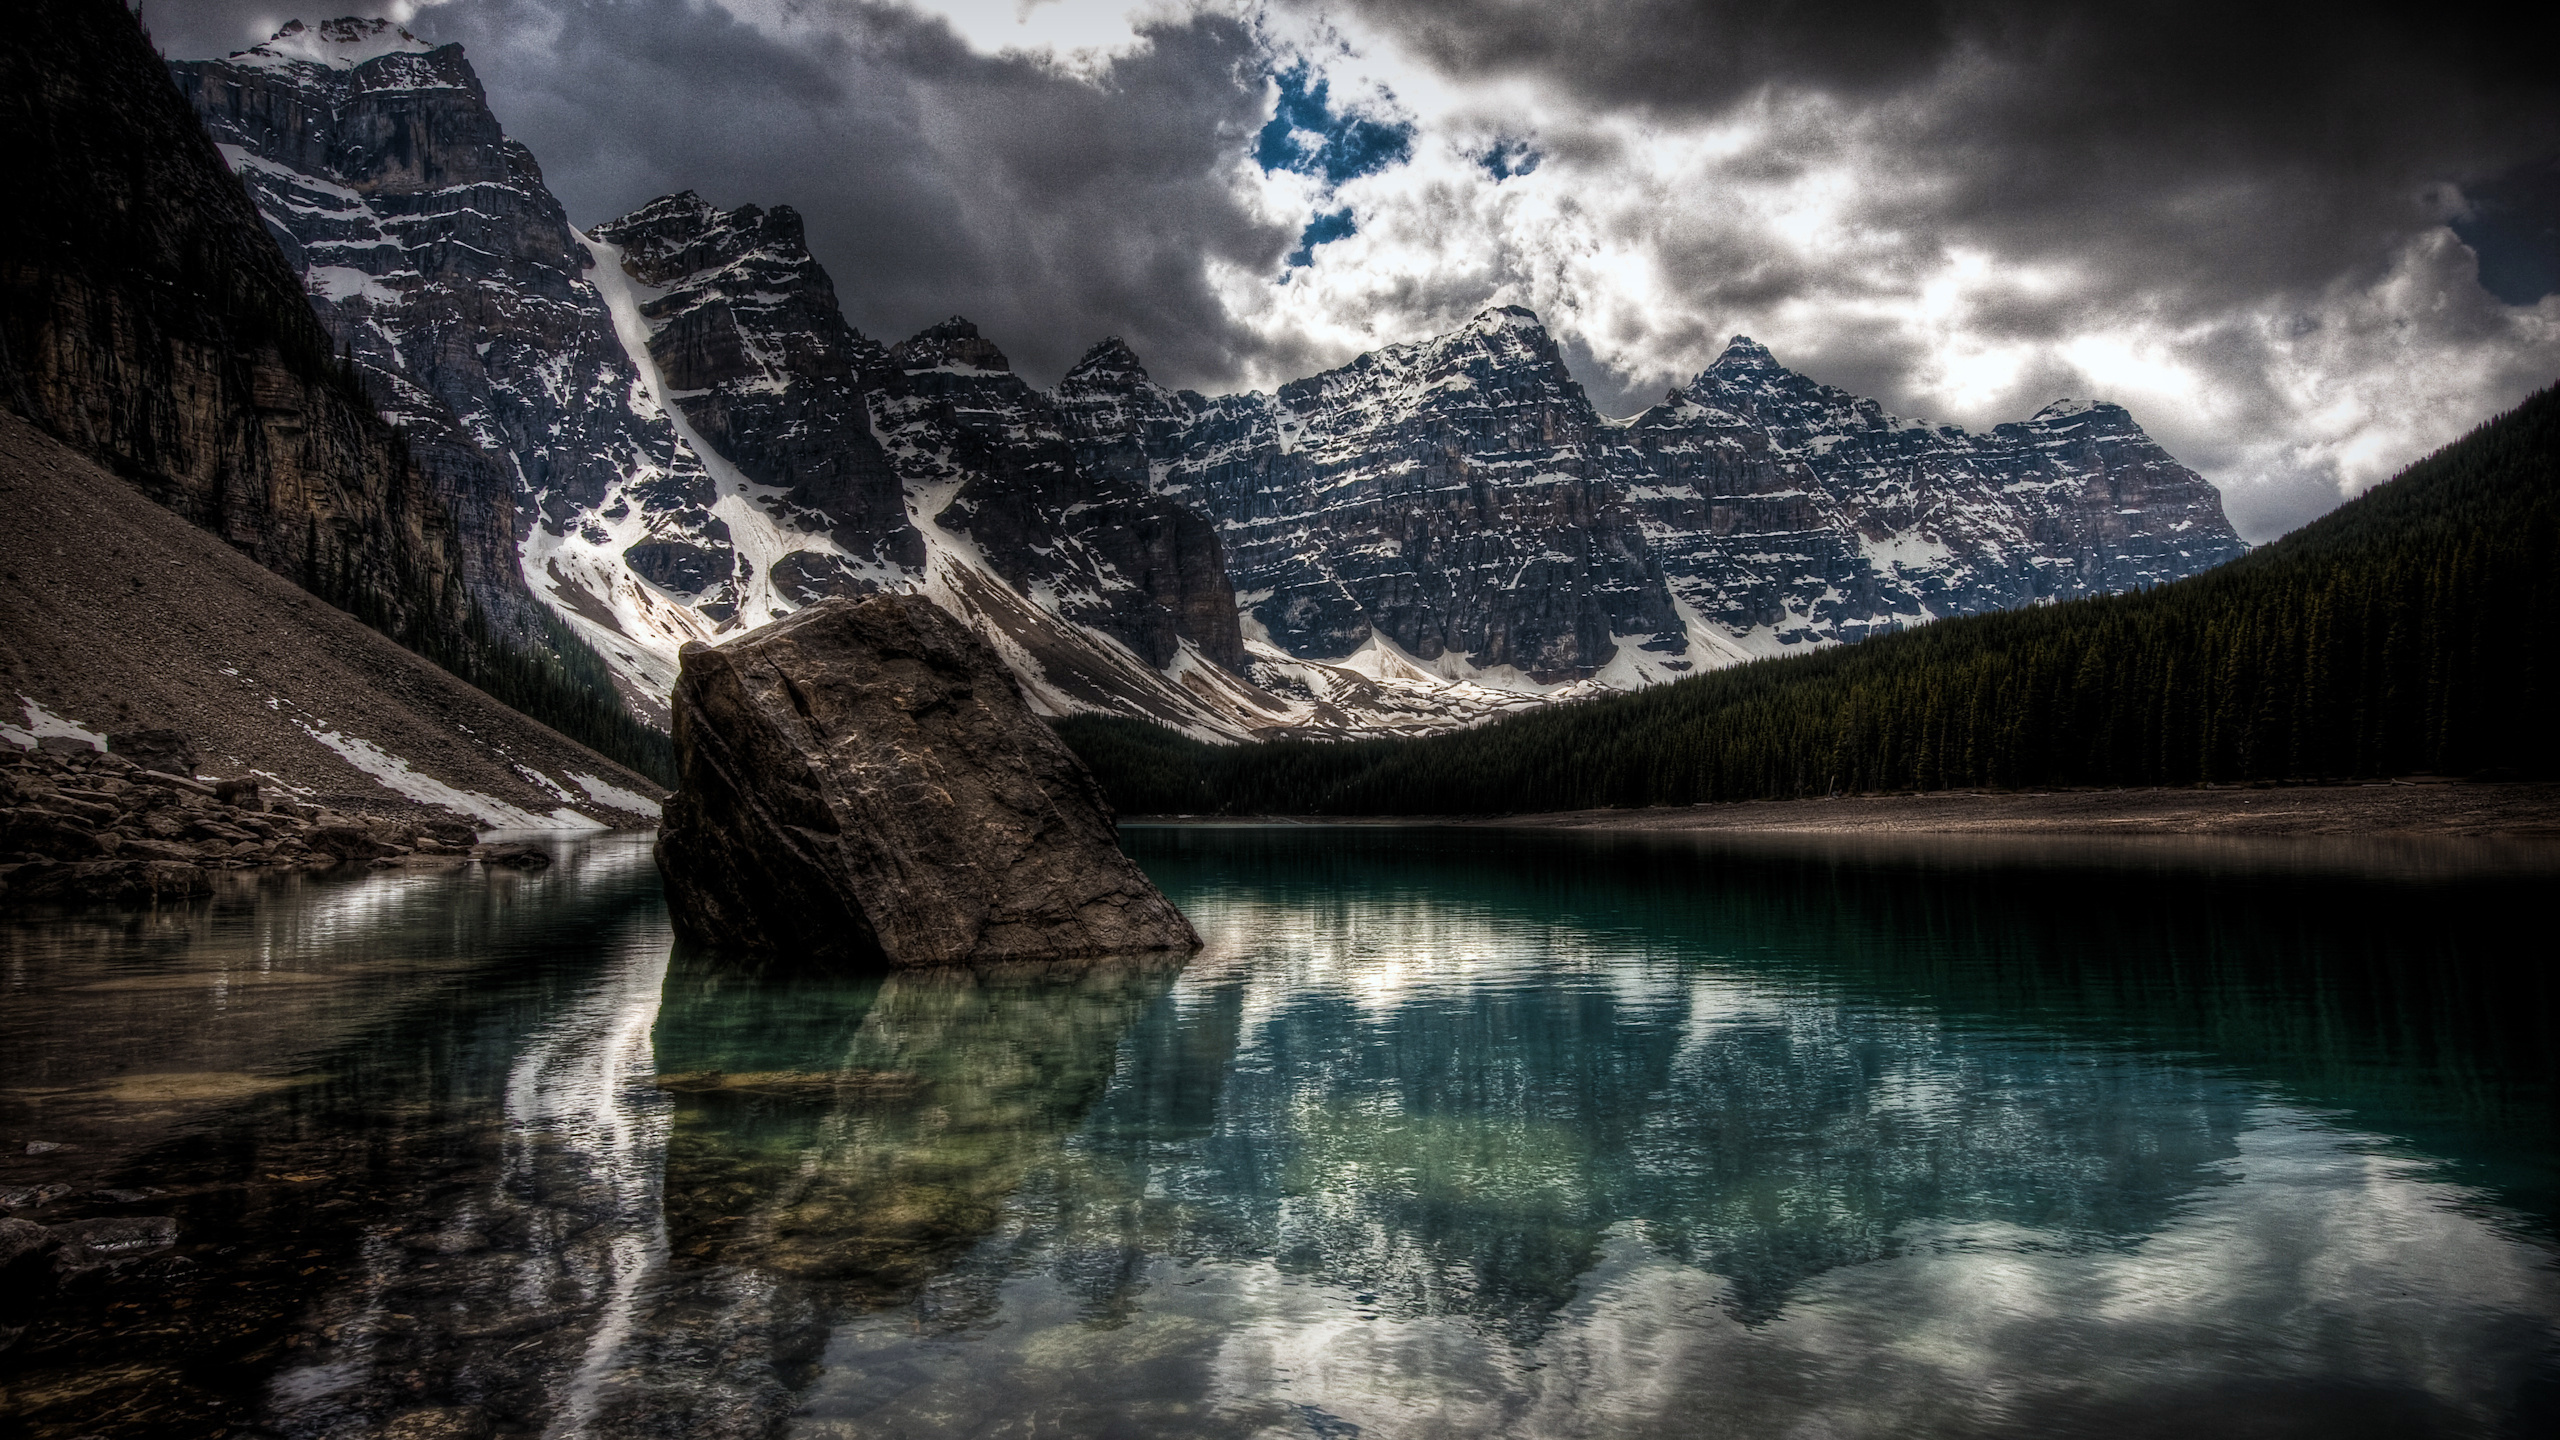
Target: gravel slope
117, 615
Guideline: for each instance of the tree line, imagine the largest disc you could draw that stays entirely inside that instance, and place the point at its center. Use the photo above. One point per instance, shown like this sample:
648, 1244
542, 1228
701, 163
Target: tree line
2409, 631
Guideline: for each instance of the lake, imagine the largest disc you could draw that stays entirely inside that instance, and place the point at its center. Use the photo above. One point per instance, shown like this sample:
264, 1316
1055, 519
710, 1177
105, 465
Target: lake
1445, 1133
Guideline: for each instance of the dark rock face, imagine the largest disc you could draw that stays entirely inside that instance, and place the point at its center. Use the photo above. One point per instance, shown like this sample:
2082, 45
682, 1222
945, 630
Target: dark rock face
863, 781
171, 752
760, 360
1802, 512
443, 265
147, 320
746, 332
1456, 496
21, 1240
679, 566
1095, 546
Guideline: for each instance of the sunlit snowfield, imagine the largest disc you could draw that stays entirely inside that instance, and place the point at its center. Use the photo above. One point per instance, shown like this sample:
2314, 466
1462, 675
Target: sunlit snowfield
1444, 1134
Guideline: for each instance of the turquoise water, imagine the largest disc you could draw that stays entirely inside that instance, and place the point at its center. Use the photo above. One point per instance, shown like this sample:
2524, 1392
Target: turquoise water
1445, 1133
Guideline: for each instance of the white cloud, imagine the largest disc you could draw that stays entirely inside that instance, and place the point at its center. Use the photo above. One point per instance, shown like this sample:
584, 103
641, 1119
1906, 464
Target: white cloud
1649, 239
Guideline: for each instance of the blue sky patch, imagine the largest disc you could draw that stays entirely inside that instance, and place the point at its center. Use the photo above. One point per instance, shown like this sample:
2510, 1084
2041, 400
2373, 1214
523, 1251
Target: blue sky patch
1335, 226
1509, 158
2514, 227
1306, 135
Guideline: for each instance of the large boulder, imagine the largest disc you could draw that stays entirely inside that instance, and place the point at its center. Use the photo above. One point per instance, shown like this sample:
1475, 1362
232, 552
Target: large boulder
863, 781
172, 752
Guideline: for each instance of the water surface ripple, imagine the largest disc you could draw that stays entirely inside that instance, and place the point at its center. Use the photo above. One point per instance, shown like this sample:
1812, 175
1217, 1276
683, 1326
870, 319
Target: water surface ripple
1446, 1133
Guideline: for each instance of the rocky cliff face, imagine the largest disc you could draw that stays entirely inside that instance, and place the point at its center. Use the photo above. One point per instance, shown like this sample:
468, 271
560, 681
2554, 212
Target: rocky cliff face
863, 782
1786, 511
1461, 501
1097, 547
744, 330
926, 465
147, 320
1453, 498
439, 260
746, 335
682, 421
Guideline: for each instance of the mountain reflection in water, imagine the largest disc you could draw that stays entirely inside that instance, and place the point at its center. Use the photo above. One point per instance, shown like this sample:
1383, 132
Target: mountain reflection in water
1446, 1133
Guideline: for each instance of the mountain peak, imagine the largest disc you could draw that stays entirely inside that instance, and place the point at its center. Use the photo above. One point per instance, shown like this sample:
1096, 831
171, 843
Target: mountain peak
1744, 353
1503, 317
1109, 359
2066, 407
340, 44
682, 204
955, 344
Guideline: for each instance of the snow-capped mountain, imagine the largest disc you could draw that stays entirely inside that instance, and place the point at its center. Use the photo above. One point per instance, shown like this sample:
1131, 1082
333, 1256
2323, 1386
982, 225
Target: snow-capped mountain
684, 426
924, 465
1449, 503
1458, 505
1786, 511
443, 265
690, 440
742, 326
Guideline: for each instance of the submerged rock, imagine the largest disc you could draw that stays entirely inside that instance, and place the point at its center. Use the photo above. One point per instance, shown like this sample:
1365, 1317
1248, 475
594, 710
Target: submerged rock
115, 882
863, 781
22, 1240
81, 1246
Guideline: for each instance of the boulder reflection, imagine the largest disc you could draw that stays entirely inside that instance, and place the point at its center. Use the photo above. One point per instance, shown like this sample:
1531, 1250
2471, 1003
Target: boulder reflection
834, 1142
851, 1134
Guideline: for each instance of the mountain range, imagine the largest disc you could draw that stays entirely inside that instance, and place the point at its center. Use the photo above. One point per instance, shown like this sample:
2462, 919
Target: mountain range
662, 429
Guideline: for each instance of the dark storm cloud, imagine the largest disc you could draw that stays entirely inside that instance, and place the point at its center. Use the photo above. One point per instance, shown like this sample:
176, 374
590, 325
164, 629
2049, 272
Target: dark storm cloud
2513, 223
2234, 148
935, 180
2209, 167
1051, 209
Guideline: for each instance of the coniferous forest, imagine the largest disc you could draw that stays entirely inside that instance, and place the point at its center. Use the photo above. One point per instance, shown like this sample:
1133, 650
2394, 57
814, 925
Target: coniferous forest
2409, 631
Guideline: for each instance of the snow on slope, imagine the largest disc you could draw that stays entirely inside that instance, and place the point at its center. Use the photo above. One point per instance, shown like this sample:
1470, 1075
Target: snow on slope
1064, 668
341, 44
1430, 535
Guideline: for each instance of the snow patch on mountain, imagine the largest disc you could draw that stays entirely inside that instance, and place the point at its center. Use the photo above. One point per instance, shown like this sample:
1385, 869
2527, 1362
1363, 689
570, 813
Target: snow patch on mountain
401, 778
340, 44
1064, 668
42, 722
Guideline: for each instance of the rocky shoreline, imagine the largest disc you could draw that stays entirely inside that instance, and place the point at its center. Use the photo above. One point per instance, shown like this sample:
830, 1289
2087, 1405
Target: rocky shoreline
2422, 806
79, 825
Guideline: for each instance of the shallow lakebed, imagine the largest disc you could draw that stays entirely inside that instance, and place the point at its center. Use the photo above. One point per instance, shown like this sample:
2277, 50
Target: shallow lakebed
1445, 1133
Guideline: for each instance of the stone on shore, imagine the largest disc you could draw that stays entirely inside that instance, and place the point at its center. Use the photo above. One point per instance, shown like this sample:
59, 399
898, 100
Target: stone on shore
83, 827
170, 751
864, 782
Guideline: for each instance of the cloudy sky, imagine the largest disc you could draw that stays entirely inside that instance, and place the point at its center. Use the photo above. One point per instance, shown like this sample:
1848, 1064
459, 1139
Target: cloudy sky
2304, 244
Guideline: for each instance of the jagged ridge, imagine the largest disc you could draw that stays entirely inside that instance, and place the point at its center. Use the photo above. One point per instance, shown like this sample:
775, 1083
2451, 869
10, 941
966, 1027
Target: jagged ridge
1430, 534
